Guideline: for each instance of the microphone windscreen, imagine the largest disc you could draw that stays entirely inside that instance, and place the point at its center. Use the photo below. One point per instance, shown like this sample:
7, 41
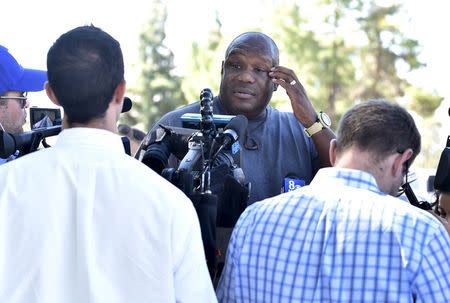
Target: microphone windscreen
238, 124
206, 94
127, 104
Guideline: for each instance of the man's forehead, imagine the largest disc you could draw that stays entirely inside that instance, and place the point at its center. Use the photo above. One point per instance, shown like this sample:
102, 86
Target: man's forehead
256, 45
253, 54
13, 93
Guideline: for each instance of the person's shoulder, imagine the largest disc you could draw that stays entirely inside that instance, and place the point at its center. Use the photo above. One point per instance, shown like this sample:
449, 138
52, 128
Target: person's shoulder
149, 179
286, 117
407, 216
264, 208
152, 190
285, 124
30, 158
27, 168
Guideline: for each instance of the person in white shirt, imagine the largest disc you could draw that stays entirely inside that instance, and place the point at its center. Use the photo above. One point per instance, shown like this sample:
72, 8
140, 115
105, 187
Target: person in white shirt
84, 222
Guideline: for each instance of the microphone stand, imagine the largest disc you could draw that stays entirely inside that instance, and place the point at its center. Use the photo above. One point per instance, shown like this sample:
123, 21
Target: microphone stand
205, 204
204, 201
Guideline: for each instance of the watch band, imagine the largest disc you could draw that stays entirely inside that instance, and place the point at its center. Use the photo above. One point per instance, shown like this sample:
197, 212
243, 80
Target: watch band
313, 129
322, 121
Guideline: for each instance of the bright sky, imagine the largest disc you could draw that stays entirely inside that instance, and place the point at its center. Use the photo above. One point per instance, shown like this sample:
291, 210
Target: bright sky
29, 27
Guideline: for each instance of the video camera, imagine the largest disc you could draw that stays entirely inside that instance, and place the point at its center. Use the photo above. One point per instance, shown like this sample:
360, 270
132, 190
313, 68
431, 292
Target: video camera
441, 179
44, 117
208, 171
203, 143
44, 122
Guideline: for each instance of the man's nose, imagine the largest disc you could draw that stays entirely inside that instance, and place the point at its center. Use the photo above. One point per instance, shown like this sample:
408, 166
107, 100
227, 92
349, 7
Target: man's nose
247, 76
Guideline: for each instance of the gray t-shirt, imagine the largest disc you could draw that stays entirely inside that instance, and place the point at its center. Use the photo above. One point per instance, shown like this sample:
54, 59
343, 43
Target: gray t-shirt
274, 147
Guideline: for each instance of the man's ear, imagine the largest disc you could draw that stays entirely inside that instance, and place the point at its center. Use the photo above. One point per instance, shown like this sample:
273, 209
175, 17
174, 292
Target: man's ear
119, 94
332, 151
51, 94
402, 162
120, 90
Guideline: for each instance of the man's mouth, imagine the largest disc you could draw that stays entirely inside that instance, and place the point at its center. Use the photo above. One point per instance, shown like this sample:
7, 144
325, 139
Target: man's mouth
244, 93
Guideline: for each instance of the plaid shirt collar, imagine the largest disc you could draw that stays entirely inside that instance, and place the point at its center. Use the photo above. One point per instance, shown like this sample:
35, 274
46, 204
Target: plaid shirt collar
348, 177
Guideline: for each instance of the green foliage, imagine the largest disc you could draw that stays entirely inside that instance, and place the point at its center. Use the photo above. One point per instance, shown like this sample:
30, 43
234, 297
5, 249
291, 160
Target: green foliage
348, 51
386, 49
298, 50
432, 143
204, 67
322, 62
423, 102
159, 89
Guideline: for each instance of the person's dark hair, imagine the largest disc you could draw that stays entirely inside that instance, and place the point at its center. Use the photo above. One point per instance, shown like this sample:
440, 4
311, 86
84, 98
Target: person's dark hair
131, 132
85, 66
380, 127
257, 42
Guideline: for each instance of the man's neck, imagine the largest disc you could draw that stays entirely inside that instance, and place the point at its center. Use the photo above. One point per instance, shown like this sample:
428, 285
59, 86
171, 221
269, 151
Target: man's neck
365, 161
97, 123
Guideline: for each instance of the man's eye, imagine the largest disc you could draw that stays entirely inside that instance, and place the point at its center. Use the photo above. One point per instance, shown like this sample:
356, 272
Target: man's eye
235, 65
261, 70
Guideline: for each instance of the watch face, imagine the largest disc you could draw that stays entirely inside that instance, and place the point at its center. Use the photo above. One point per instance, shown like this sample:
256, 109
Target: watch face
325, 119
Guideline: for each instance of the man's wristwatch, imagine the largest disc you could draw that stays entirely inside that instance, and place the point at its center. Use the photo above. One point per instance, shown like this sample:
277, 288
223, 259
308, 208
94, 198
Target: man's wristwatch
323, 121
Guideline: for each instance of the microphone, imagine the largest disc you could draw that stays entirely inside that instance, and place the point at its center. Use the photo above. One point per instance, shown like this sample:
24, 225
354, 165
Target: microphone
291, 182
127, 104
232, 132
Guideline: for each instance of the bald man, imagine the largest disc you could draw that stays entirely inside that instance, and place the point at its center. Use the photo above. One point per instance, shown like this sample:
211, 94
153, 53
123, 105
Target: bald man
277, 144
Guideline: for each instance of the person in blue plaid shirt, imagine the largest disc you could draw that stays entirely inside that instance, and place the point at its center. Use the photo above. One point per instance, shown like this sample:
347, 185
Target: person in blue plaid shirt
344, 237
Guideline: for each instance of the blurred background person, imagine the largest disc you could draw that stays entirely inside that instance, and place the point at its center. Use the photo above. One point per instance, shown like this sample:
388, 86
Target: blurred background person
442, 186
442, 208
15, 83
135, 135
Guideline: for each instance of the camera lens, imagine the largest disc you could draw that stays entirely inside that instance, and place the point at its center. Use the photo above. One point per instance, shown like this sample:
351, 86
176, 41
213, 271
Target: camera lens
157, 156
